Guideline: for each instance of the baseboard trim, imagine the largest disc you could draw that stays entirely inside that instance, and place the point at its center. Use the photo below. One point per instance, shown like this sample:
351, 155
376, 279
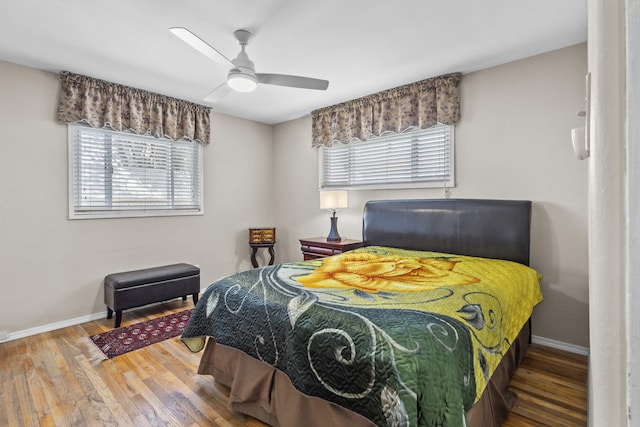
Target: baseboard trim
53, 326
572, 348
62, 324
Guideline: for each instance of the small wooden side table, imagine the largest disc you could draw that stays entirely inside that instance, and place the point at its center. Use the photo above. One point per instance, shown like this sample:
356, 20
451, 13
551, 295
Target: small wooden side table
319, 247
262, 237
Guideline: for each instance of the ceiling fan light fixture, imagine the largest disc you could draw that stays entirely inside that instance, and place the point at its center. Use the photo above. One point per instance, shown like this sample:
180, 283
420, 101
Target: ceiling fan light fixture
242, 76
241, 82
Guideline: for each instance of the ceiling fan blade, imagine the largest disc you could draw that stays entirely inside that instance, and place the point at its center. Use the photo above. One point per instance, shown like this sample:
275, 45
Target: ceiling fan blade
292, 81
200, 45
218, 93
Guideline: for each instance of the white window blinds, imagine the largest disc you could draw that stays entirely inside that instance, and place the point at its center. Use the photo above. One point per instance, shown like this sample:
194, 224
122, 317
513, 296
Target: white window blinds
418, 158
123, 174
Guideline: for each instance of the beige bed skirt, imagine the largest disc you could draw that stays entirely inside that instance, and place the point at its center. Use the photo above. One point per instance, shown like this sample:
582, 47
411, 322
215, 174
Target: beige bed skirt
263, 392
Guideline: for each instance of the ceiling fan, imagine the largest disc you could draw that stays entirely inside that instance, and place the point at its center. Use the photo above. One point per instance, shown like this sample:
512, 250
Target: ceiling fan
242, 76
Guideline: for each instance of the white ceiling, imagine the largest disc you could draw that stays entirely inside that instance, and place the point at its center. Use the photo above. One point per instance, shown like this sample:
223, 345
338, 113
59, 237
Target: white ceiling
360, 46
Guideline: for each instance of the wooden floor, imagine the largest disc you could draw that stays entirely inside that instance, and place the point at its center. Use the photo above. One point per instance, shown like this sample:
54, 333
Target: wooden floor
49, 380
552, 389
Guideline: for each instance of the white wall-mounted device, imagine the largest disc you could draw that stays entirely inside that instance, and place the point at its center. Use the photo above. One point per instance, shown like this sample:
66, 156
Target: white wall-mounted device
578, 138
580, 135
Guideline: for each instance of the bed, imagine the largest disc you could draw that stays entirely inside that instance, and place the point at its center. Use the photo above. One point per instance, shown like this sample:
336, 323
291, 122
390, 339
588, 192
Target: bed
422, 326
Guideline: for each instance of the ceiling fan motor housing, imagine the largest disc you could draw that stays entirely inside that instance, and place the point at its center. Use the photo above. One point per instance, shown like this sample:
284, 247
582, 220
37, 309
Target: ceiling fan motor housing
242, 77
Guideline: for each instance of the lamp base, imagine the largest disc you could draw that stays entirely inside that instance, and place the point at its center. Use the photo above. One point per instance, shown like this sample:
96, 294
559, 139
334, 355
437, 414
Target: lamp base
333, 233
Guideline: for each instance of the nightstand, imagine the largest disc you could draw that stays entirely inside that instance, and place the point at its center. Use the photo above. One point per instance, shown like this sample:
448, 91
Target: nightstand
318, 247
262, 237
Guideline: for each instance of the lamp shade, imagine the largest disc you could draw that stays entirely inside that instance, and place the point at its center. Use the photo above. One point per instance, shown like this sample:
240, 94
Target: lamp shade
334, 200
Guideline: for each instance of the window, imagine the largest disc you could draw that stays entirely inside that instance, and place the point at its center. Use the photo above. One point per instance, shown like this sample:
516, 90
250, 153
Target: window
418, 158
118, 174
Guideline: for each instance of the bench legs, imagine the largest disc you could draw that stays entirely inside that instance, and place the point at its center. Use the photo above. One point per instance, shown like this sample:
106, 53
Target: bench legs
118, 319
195, 298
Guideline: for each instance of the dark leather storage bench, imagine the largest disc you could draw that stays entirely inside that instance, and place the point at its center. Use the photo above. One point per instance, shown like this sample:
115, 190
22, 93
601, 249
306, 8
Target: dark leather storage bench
141, 287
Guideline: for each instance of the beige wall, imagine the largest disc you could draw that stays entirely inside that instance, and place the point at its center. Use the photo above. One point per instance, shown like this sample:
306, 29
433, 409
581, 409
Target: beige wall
513, 142
52, 268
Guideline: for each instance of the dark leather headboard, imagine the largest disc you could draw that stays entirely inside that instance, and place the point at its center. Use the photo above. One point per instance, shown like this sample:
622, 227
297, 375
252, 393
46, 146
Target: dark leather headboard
485, 228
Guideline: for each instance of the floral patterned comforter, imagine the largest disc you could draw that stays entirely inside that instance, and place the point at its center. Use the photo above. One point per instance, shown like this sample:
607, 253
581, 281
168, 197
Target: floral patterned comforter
401, 337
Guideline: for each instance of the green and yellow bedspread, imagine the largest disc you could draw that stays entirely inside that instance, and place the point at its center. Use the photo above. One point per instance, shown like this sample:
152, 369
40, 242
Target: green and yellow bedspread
401, 337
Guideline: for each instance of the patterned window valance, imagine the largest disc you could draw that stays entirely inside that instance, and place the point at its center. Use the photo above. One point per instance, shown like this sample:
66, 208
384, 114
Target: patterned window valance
100, 103
421, 104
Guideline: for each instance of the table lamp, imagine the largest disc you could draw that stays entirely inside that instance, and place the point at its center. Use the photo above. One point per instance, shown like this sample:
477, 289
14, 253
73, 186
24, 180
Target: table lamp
334, 200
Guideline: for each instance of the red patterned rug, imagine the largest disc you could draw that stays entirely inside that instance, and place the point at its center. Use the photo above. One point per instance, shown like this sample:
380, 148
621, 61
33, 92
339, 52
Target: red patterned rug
123, 340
